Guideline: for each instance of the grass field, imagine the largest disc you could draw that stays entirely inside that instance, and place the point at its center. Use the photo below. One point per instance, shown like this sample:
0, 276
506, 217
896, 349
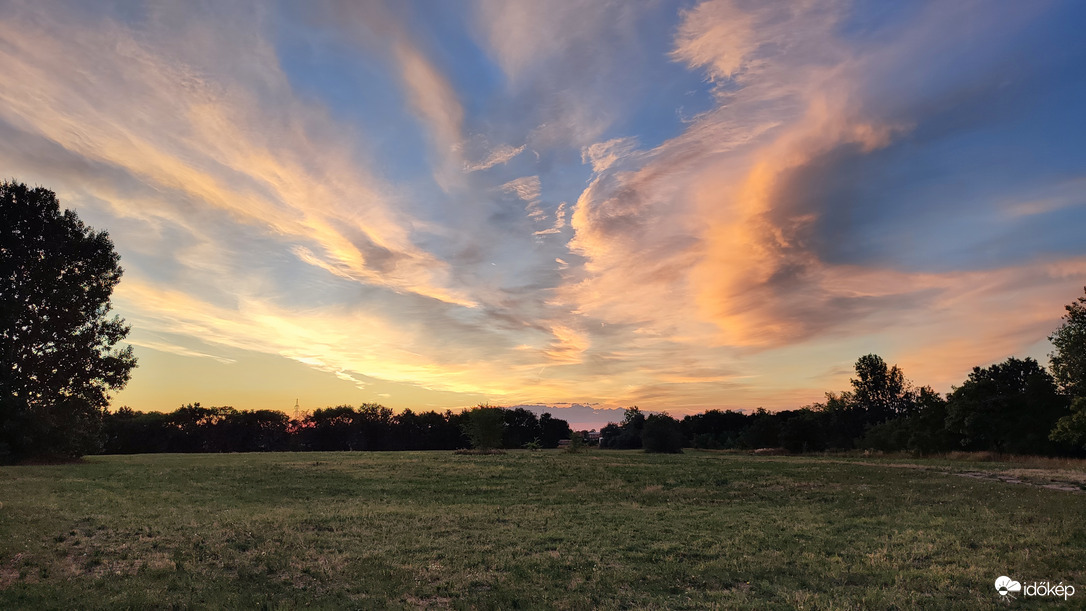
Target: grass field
601, 529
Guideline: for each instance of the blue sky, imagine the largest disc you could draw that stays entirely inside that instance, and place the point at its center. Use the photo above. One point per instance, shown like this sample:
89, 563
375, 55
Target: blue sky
678, 205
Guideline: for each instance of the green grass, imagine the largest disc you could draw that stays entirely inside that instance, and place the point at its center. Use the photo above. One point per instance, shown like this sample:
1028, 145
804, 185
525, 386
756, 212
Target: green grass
527, 529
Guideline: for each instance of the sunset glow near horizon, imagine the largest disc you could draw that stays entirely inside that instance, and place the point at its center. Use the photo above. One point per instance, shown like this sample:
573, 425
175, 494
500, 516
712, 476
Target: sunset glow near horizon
676, 205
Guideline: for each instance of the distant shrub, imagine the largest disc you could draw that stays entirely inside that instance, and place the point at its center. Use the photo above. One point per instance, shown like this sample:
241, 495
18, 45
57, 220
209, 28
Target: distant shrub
576, 443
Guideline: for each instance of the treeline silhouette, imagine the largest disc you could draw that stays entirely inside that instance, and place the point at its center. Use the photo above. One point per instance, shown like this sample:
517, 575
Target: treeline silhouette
1016, 407
194, 428
1012, 407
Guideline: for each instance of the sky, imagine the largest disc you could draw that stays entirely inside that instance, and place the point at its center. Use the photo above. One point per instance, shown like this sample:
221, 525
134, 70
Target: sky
572, 205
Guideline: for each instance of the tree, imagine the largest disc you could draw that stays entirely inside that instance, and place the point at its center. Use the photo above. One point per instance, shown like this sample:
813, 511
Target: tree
1008, 407
929, 433
626, 436
633, 419
485, 426
1068, 364
372, 427
552, 430
1069, 360
521, 427
59, 348
844, 420
662, 434
879, 390
763, 430
1071, 429
804, 431
714, 429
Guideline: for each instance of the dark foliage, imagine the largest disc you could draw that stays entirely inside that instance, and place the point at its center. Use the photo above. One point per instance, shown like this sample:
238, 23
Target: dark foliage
521, 427
427, 431
714, 429
485, 427
552, 430
1008, 407
1069, 359
1069, 369
764, 430
803, 431
1071, 429
368, 427
58, 345
625, 436
194, 428
662, 434
1011, 407
880, 391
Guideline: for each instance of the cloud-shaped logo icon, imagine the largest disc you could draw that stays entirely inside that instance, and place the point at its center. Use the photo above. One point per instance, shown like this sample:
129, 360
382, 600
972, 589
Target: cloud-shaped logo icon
1005, 584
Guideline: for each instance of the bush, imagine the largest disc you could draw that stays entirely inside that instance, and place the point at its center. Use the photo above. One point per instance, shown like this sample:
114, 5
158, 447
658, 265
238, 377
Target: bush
485, 427
890, 436
576, 442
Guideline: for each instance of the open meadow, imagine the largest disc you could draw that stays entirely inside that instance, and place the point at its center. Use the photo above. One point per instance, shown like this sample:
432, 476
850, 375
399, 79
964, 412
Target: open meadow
549, 529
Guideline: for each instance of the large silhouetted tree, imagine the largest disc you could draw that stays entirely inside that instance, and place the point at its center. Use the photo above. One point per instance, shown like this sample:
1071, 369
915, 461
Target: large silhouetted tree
1069, 368
880, 390
1069, 359
552, 430
59, 348
1008, 407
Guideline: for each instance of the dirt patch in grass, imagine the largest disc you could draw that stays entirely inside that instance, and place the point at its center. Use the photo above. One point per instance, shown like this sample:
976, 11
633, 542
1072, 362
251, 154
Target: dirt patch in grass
1058, 475
1034, 477
1052, 479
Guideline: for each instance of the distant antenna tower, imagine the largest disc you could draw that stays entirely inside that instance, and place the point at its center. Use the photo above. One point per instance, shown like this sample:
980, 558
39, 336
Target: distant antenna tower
297, 410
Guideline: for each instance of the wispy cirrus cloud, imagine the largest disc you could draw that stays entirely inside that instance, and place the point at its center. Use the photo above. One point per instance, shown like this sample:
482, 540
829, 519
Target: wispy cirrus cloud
193, 128
496, 156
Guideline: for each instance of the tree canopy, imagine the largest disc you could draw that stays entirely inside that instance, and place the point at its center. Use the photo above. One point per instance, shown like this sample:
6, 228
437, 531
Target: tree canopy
58, 345
1007, 407
485, 426
1069, 359
879, 389
1069, 368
